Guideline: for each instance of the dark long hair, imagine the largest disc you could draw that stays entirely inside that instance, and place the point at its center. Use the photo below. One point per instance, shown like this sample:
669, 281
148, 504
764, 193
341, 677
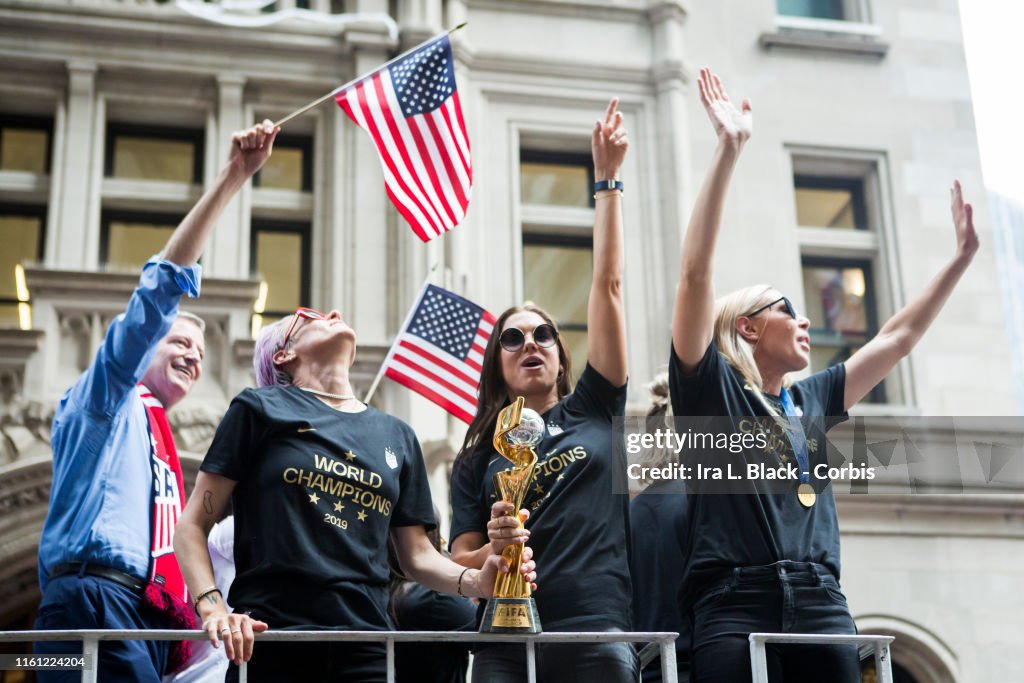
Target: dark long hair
493, 390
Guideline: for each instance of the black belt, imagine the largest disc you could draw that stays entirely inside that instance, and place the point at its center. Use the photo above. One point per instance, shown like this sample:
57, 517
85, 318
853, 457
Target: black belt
132, 583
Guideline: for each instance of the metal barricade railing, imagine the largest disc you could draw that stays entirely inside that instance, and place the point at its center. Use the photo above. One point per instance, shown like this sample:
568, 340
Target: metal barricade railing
878, 645
665, 642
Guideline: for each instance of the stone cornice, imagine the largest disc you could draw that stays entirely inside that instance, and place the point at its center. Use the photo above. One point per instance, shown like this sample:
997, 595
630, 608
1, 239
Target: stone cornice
969, 516
853, 47
624, 10
75, 33
586, 72
57, 284
17, 345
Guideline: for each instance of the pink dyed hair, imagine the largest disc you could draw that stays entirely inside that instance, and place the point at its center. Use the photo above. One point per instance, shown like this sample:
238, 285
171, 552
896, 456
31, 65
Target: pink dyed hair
267, 344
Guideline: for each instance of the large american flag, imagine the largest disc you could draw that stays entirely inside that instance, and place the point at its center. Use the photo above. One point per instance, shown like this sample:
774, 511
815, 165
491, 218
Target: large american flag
411, 110
440, 351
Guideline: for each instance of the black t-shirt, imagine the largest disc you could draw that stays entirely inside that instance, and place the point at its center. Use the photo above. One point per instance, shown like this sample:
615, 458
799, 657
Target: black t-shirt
743, 530
417, 608
657, 521
318, 491
578, 527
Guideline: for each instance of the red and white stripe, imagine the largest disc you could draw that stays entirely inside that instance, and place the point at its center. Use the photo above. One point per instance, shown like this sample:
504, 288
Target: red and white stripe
426, 161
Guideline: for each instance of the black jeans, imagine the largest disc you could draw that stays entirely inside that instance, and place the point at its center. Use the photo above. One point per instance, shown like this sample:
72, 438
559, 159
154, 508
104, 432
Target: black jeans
785, 597
559, 663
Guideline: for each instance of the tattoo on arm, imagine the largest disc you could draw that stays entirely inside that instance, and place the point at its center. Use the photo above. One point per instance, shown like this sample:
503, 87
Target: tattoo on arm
212, 597
208, 502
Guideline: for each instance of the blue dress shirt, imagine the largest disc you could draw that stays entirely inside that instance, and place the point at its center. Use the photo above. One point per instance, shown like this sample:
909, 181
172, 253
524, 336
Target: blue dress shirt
102, 491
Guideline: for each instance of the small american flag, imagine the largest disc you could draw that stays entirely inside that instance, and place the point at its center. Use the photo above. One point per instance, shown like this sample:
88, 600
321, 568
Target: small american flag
411, 110
440, 350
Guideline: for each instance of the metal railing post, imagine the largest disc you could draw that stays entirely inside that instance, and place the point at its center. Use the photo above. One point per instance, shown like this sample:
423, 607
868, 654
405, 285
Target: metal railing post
91, 651
668, 659
758, 660
243, 672
883, 667
391, 660
531, 661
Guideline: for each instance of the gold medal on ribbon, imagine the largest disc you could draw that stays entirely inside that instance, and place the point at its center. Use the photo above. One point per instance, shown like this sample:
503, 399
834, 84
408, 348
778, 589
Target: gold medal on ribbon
806, 495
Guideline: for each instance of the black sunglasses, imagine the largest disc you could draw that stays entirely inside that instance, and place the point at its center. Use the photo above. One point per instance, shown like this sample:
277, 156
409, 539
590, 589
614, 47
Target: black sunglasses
790, 309
513, 338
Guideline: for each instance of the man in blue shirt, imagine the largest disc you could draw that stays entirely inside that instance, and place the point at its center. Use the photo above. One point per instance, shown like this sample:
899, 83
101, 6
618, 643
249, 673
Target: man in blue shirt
115, 497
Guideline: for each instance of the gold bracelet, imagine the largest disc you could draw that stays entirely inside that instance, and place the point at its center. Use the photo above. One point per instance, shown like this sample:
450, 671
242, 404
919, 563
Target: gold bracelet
608, 193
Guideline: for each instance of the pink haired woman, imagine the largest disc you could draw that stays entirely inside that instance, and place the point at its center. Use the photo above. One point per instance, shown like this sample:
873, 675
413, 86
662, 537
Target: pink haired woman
318, 480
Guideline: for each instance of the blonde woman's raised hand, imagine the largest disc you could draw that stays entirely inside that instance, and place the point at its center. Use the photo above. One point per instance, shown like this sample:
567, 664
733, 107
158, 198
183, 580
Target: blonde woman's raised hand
609, 143
731, 124
963, 222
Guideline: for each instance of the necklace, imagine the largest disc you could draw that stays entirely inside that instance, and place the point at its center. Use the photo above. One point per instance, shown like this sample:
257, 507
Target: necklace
325, 394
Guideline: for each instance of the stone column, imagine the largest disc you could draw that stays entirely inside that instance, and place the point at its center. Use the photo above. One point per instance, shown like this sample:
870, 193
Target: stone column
74, 242
227, 253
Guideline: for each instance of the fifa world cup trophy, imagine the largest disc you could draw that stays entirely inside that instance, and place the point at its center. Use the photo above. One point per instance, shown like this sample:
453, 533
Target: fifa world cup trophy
518, 430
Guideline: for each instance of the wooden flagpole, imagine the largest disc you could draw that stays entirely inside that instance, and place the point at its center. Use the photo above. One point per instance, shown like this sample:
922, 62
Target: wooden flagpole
321, 100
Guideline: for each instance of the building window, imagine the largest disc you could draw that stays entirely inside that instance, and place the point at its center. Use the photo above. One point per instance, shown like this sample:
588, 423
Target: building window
556, 179
557, 198
21, 234
840, 299
280, 258
129, 239
557, 271
290, 167
844, 277
148, 153
816, 9
826, 202
25, 144
835, 10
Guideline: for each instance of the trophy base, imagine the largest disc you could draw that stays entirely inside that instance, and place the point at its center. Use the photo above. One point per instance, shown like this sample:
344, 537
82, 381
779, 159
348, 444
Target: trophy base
511, 615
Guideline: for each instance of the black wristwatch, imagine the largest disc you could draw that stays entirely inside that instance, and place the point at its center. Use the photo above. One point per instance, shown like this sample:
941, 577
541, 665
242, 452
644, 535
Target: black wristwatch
601, 185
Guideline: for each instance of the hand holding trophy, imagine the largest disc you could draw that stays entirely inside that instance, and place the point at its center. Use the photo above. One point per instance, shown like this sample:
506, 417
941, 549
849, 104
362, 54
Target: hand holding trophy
518, 430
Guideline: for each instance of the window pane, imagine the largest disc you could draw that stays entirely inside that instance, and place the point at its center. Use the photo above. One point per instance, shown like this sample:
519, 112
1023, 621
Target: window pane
149, 158
558, 184
279, 264
23, 149
130, 245
825, 208
19, 240
818, 9
283, 170
575, 342
557, 278
836, 299
9, 315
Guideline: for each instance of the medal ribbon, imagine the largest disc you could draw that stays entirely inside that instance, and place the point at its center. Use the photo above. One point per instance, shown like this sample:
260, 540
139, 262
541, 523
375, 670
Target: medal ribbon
797, 438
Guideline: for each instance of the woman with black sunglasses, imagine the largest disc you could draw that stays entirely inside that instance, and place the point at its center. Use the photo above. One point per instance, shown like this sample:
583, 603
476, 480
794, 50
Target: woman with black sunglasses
318, 481
576, 524
769, 561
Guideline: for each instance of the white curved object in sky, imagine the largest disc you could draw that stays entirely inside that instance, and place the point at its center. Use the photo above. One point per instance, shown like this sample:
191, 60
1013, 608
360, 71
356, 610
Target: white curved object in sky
235, 13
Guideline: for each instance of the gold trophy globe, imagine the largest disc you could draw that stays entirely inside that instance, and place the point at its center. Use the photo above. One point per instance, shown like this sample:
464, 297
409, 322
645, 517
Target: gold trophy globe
518, 430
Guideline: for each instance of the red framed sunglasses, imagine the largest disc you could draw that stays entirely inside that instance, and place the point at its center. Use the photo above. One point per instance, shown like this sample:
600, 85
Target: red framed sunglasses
300, 313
